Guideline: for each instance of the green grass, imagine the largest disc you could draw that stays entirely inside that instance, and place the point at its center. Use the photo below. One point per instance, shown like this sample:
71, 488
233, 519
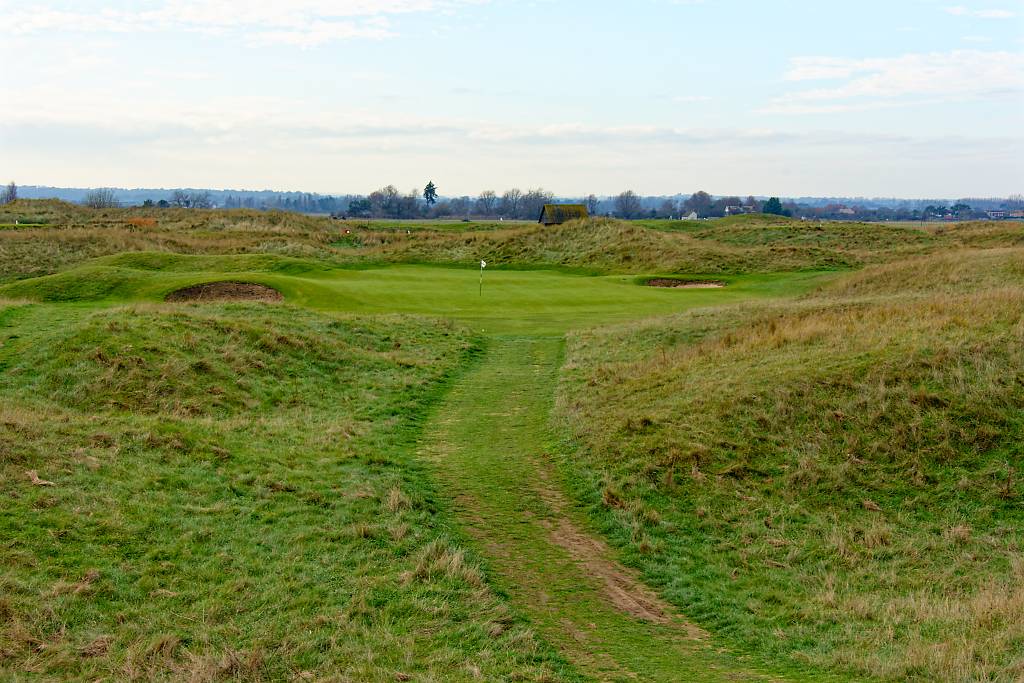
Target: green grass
71, 235
492, 444
234, 498
832, 481
538, 301
815, 464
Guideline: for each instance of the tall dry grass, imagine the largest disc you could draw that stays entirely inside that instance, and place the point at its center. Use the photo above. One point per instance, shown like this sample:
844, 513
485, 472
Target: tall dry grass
834, 480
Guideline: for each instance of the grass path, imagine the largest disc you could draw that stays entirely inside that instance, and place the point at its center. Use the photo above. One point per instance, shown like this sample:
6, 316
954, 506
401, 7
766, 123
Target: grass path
488, 443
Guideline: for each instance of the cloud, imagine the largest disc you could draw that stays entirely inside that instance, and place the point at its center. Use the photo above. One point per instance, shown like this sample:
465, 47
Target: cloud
304, 23
70, 135
911, 79
146, 119
961, 11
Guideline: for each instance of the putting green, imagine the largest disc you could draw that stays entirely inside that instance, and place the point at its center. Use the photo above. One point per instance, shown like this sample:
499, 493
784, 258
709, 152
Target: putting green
516, 301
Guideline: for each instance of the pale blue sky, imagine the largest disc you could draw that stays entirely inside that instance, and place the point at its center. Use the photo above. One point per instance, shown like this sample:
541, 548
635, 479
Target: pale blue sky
919, 98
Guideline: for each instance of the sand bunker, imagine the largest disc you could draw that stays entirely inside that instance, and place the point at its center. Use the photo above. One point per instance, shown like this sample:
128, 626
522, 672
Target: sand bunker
226, 291
685, 284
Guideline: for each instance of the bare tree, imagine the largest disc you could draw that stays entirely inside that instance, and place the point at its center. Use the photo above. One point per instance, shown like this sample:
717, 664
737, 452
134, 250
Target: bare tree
386, 202
9, 194
460, 206
409, 205
533, 202
593, 204
103, 198
486, 202
627, 205
181, 199
201, 200
510, 202
700, 202
668, 209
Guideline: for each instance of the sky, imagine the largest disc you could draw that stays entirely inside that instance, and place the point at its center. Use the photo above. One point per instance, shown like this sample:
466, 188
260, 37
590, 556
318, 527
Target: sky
877, 98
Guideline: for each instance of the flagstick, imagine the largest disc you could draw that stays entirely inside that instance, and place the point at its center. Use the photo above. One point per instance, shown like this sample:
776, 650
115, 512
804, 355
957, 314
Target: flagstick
483, 264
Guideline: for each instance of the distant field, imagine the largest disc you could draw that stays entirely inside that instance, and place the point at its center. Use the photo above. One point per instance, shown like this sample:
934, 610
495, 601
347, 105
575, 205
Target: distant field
811, 473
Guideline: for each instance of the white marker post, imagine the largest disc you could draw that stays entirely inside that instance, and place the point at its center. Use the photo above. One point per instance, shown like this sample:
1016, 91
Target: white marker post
483, 264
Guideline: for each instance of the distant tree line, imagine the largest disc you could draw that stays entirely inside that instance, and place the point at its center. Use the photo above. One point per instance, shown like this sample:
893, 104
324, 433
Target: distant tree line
390, 202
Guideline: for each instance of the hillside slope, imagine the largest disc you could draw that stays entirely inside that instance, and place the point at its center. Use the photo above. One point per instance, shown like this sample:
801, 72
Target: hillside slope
53, 236
835, 480
227, 492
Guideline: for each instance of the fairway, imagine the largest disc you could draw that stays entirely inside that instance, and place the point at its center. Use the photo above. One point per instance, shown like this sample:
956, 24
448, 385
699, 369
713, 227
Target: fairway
519, 318
405, 471
335, 349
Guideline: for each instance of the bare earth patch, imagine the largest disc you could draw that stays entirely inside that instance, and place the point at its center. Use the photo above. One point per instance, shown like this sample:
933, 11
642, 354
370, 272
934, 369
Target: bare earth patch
685, 284
226, 291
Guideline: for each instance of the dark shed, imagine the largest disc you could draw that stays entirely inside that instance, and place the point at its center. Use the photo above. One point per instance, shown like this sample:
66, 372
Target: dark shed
553, 214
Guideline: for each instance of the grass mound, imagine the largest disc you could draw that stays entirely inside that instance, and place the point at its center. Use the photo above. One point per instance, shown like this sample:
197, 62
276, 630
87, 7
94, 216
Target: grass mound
219, 493
153, 274
945, 272
741, 244
63, 235
835, 481
234, 358
603, 245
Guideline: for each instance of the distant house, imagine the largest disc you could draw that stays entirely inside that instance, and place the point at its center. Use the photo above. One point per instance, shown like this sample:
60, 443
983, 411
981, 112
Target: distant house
691, 217
997, 215
847, 211
556, 214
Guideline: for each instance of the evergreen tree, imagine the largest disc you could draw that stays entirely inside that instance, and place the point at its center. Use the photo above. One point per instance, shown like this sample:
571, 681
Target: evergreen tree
773, 206
430, 193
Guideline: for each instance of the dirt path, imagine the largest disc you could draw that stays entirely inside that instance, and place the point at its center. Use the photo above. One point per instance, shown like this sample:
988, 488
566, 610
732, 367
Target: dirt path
488, 445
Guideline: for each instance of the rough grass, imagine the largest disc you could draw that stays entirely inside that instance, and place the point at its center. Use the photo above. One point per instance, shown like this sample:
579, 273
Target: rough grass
616, 246
836, 480
226, 493
63, 235
951, 272
72, 234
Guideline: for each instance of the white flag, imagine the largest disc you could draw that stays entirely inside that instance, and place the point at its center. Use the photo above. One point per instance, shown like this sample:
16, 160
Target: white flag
483, 264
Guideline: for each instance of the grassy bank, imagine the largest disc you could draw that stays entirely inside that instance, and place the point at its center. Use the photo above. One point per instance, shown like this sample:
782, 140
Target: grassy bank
56, 236
833, 481
818, 465
226, 492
